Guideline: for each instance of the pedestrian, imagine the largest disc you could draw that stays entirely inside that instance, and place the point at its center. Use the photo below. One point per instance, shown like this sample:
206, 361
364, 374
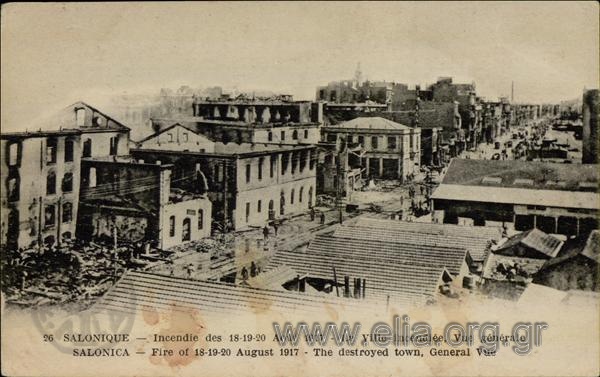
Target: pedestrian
275, 227
266, 233
190, 269
253, 269
322, 217
244, 273
312, 214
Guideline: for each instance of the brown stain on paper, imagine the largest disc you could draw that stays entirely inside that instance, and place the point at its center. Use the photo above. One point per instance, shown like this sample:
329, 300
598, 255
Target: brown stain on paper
179, 321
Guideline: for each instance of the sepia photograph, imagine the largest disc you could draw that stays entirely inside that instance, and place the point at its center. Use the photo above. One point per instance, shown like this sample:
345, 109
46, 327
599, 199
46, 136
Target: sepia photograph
300, 188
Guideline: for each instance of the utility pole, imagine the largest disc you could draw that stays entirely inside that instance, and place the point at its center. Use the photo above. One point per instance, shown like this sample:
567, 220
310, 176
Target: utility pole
512, 92
337, 290
40, 225
340, 178
59, 219
225, 206
338, 191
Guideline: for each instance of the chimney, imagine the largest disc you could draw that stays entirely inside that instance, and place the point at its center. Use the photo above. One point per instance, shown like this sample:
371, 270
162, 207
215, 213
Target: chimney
357, 288
346, 286
364, 284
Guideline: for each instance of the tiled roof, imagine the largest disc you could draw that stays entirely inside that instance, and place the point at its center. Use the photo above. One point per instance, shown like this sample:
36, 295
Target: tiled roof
355, 247
388, 272
477, 247
137, 291
375, 123
433, 228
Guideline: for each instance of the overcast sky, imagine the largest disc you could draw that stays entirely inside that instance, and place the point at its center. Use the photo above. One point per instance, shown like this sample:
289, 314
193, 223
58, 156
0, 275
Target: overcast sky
55, 54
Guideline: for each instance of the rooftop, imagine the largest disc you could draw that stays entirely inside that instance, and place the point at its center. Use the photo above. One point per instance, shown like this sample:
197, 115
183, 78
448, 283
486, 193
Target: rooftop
476, 241
272, 279
137, 291
588, 248
196, 121
390, 269
488, 232
375, 123
537, 240
39, 133
521, 174
522, 196
357, 245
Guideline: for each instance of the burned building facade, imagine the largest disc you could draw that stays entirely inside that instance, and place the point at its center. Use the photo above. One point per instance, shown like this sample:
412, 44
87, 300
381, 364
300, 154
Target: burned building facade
126, 201
392, 150
590, 110
273, 120
40, 174
248, 184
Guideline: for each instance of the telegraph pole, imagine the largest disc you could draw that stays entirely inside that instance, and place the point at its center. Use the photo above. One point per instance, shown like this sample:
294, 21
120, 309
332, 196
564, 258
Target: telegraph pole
338, 193
512, 92
339, 179
225, 203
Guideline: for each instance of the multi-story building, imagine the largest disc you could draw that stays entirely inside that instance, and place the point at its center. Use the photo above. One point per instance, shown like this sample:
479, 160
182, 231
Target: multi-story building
590, 109
79, 182
391, 150
248, 183
444, 90
40, 186
41, 173
278, 120
355, 91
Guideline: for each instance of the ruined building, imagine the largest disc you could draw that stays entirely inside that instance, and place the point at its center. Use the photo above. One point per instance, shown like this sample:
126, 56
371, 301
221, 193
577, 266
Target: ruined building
591, 108
135, 202
248, 183
78, 181
392, 150
40, 173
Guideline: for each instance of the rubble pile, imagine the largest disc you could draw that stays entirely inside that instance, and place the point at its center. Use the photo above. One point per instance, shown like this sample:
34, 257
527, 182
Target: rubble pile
71, 272
325, 201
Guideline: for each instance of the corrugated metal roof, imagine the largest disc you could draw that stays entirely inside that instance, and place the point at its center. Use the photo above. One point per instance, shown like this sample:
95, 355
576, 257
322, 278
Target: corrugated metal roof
506, 195
137, 291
